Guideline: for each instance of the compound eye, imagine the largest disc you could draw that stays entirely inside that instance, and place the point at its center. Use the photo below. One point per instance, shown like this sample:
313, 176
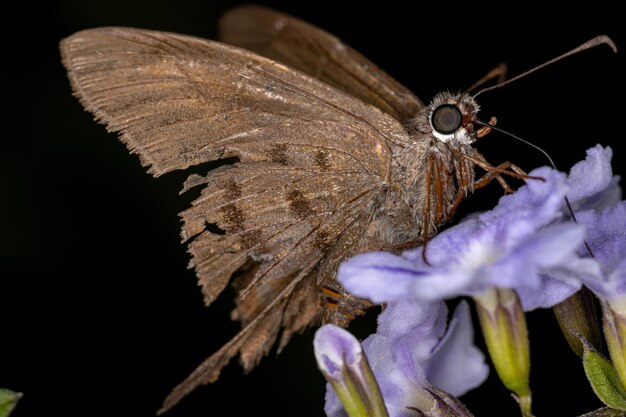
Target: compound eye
446, 119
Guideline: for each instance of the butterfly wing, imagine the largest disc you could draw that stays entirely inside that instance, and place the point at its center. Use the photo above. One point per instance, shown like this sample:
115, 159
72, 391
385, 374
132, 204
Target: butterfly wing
309, 49
311, 161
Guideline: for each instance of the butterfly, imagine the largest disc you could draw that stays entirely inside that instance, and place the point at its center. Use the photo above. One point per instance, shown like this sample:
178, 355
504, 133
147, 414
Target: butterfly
332, 157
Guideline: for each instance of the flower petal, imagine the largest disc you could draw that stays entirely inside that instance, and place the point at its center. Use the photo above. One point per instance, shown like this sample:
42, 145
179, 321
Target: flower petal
601, 200
549, 293
592, 175
414, 329
538, 200
607, 238
457, 365
401, 318
378, 276
550, 247
398, 390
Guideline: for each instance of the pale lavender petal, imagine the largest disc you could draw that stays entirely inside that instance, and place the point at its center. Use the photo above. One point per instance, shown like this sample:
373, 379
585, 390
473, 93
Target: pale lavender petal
539, 200
607, 234
446, 244
550, 247
378, 276
618, 277
458, 259
457, 365
549, 293
401, 318
393, 379
442, 284
424, 326
607, 238
601, 200
591, 176
333, 406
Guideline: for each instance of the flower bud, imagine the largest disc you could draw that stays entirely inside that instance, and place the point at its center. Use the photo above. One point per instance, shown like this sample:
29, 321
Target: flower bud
578, 314
341, 359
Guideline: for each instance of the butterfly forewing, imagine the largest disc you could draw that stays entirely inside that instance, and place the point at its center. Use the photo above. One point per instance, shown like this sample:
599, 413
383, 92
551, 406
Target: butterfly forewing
312, 163
309, 49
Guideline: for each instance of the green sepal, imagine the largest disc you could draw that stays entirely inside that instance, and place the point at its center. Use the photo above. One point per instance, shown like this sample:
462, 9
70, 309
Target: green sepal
603, 378
503, 323
8, 400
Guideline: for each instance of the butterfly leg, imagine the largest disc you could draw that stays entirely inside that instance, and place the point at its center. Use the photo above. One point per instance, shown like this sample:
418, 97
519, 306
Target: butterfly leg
491, 175
486, 179
430, 172
505, 168
435, 184
340, 307
464, 186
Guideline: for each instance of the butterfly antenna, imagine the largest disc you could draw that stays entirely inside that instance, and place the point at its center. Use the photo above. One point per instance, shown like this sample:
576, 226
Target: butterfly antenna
592, 43
570, 210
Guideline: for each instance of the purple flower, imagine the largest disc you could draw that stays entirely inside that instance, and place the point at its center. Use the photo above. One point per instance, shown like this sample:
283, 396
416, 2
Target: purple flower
606, 236
510, 246
411, 353
526, 243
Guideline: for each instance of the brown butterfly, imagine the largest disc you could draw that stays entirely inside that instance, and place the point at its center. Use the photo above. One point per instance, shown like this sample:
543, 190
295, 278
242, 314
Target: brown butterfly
334, 158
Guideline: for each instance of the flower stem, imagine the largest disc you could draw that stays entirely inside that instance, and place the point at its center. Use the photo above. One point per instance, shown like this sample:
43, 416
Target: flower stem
525, 403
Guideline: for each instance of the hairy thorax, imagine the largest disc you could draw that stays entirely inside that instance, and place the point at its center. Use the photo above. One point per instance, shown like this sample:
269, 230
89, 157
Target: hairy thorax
429, 178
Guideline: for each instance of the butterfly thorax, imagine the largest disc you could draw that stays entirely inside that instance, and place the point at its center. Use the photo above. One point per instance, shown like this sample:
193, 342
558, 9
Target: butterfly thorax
433, 174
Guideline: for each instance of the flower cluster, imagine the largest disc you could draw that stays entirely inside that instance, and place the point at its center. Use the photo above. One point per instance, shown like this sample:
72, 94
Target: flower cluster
526, 247
412, 353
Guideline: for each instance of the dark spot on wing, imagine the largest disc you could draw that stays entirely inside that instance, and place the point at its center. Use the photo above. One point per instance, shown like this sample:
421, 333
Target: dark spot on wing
250, 239
233, 191
321, 160
278, 153
234, 217
323, 240
299, 204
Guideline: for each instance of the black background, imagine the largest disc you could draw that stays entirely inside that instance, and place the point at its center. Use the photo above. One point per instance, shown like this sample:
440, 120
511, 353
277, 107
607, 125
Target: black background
98, 314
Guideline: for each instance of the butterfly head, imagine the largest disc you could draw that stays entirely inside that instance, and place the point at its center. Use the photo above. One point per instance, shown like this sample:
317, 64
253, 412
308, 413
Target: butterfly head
452, 118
